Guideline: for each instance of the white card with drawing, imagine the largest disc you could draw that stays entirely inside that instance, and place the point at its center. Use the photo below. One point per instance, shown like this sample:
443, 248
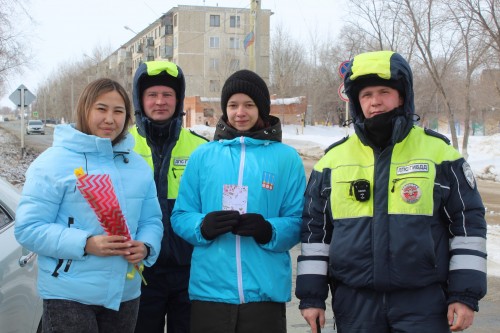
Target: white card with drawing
235, 197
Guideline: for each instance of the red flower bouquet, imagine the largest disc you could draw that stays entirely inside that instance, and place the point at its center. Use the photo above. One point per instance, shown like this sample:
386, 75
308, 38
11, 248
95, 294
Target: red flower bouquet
99, 193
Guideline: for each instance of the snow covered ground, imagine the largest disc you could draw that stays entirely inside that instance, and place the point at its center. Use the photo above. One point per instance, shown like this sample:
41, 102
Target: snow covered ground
484, 151
310, 141
484, 158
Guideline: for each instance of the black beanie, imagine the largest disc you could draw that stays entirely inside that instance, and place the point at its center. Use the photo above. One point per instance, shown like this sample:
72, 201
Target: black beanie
161, 79
248, 83
374, 80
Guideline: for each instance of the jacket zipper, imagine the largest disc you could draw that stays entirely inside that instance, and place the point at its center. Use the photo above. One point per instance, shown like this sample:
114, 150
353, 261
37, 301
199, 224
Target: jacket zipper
60, 262
238, 240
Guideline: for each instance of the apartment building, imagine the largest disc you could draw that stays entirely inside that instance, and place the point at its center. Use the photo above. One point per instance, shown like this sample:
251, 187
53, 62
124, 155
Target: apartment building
206, 110
208, 43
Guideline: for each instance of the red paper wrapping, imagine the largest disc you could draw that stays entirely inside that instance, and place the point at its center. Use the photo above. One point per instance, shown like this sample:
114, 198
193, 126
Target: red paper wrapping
100, 194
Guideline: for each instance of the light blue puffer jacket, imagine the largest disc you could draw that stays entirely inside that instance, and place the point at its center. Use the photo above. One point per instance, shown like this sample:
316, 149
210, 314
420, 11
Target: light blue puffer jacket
234, 269
54, 220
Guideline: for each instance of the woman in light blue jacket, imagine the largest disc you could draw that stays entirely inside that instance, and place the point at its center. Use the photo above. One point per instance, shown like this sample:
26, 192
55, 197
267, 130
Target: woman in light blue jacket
82, 275
239, 204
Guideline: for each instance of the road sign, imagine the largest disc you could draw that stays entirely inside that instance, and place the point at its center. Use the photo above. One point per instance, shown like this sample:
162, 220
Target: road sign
15, 97
342, 94
344, 67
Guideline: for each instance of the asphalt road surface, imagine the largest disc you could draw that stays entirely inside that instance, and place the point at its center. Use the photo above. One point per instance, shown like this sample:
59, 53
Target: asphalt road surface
36, 141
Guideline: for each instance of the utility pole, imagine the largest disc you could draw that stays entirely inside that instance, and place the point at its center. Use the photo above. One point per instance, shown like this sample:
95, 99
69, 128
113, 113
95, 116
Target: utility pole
255, 24
258, 39
45, 108
72, 102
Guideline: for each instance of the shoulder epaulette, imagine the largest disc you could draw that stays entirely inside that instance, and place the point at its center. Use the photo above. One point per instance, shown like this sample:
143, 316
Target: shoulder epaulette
198, 135
341, 141
437, 135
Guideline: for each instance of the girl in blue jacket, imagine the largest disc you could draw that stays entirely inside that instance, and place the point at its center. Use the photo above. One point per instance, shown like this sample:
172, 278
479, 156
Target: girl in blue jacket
240, 205
82, 276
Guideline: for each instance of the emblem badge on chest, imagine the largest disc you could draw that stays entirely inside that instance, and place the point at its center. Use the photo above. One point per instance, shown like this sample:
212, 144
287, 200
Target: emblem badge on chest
411, 193
268, 180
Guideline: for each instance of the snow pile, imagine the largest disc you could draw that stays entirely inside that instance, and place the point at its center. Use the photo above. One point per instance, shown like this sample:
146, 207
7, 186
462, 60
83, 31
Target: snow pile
12, 166
310, 141
484, 156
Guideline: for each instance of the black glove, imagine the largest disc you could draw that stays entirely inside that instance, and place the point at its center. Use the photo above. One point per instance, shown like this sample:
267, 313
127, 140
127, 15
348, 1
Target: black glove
219, 222
254, 225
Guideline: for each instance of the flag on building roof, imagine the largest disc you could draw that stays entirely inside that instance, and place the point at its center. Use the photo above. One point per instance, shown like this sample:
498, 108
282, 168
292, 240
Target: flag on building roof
249, 40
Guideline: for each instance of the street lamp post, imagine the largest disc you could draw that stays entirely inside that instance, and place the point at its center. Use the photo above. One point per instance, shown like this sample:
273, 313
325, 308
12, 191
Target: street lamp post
126, 27
72, 99
96, 65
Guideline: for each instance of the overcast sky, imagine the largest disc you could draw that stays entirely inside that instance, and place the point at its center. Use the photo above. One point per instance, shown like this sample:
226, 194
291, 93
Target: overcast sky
64, 31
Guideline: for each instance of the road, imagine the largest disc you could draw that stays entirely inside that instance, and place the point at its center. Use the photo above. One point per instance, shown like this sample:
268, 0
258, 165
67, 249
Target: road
36, 141
486, 321
489, 190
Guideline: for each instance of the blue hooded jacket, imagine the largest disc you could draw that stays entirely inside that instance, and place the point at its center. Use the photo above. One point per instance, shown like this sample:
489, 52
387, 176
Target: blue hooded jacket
54, 220
234, 269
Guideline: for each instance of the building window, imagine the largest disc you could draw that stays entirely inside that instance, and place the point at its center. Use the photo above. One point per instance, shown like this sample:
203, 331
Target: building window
214, 64
208, 113
214, 86
215, 20
214, 42
175, 42
234, 21
234, 65
175, 20
234, 43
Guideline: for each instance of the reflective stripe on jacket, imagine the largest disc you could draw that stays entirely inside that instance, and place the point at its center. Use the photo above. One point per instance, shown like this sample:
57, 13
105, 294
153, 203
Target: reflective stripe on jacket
423, 221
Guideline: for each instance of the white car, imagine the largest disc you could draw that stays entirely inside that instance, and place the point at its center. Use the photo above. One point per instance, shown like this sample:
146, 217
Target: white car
35, 126
20, 306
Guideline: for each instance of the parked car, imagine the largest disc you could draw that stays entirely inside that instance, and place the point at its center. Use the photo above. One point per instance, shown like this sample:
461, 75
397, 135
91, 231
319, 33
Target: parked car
50, 121
35, 126
20, 306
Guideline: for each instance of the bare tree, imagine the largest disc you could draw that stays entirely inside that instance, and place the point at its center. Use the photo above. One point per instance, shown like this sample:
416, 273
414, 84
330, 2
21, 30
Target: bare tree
13, 51
287, 57
328, 106
436, 45
474, 48
486, 14
287, 62
427, 99
377, 25
435, 40
58, 95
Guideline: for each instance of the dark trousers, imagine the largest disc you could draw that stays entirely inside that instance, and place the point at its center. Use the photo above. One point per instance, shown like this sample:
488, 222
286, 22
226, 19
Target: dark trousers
165, 295
402, 311
63, 316
258, 317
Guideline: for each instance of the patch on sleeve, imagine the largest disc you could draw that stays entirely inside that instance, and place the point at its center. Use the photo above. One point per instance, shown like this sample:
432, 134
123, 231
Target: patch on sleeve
469, 175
